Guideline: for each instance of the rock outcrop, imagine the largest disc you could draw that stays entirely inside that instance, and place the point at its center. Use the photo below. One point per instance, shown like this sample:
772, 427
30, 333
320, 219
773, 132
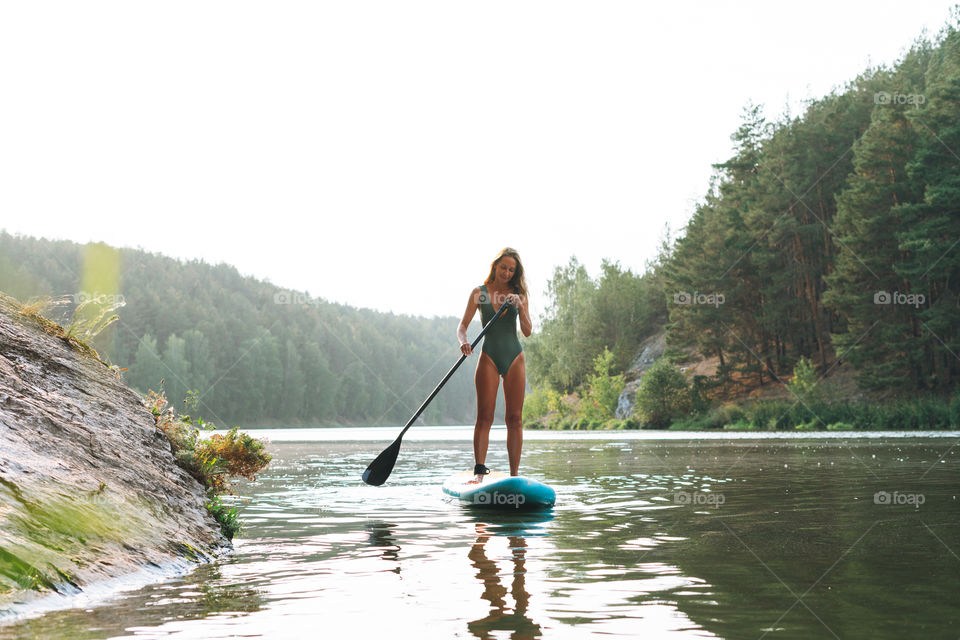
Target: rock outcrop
89, 488
650, 350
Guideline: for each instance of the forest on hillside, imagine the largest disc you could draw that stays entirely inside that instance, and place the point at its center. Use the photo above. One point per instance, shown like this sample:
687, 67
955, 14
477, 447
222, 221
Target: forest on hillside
254, 353
830, 237
833, 236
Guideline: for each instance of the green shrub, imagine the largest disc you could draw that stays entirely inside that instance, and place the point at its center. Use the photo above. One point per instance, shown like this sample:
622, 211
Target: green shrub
840, 426
664, 394
920, 413
724, 415
771, 415
805, 384
691, 423
699, 397
665, 399
602, 390
932, 413
227, 517
588, 424
541, 402
233, 454
213, 461
740, 426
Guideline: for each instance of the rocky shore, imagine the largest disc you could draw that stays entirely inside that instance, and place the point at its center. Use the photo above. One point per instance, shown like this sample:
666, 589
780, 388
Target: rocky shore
89, 489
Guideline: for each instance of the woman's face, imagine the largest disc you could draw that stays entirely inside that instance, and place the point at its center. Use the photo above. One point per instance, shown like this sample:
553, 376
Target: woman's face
505, 270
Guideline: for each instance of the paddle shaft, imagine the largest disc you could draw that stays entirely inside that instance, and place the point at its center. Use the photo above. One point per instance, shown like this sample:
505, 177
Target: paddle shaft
473, 345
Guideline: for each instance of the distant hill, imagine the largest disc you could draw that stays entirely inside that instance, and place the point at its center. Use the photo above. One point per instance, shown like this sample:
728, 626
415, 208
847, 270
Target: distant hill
254, 352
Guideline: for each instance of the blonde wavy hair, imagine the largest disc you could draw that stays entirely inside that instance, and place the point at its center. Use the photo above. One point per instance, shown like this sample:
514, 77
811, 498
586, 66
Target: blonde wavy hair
518, 282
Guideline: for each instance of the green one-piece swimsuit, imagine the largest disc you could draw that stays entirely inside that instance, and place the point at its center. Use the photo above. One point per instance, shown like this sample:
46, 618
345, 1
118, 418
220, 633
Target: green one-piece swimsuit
500, 342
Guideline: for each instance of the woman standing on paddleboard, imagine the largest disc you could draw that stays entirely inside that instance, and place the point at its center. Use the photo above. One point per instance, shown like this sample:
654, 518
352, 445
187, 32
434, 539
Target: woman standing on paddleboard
501, 356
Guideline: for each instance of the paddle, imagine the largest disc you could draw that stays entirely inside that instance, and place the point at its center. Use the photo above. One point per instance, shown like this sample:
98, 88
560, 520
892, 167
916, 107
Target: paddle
379, 470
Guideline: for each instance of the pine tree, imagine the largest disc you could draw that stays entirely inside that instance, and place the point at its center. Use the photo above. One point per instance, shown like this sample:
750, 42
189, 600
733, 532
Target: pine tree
875, 336
929, 238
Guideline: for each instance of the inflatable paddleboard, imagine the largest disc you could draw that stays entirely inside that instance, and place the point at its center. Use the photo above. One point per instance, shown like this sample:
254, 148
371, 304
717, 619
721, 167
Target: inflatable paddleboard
500, 491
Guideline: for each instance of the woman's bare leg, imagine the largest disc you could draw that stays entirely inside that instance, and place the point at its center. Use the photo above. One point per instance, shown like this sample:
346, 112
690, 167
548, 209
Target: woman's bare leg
514, 387
488, 382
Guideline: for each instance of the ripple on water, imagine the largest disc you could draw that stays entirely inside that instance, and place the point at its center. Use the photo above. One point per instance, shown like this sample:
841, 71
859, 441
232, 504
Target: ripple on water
631, 549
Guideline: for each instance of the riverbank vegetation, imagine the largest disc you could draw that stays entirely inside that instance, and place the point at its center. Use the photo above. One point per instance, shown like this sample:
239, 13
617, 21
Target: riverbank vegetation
828, 245
258, 354
214, 461
84, 494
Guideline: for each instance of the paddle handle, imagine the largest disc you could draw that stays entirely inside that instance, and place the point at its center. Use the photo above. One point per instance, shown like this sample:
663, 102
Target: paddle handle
473, 345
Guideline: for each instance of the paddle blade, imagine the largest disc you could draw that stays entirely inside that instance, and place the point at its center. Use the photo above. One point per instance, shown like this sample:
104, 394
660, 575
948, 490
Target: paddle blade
379, 470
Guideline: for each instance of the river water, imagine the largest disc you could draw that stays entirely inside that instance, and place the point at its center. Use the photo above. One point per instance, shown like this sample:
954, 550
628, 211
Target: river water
663, 534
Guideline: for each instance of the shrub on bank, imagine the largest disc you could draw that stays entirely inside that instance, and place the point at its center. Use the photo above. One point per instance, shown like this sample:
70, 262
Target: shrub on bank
915, 414
213, 461
576, 423
669, 400
227, 517
664, 395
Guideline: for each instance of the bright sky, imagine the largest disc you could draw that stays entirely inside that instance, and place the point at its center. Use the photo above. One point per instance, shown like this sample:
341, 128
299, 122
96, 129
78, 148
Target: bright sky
380, 153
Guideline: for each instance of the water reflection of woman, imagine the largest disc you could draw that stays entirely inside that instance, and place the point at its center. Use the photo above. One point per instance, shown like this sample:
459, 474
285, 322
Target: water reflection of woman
381, 537
521, 626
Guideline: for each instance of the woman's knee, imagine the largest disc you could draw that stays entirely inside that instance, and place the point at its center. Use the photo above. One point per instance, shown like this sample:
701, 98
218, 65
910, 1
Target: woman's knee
484, 419
514, 419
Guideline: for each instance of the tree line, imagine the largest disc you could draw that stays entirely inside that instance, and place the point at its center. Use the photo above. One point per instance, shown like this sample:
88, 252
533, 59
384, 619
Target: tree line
254, 353
833, 235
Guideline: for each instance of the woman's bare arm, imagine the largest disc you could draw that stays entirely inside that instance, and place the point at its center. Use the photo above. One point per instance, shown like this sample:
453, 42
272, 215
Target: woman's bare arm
520, 302
526, 326
468, 314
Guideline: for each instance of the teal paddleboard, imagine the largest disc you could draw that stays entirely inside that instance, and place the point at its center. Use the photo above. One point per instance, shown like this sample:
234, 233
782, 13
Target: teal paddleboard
500, 491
